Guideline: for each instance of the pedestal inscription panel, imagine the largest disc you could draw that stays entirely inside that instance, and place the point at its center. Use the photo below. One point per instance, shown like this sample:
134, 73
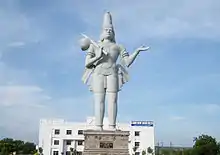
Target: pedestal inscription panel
106, 142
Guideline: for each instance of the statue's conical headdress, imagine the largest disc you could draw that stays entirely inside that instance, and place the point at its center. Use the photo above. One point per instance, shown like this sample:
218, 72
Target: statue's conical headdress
107, 23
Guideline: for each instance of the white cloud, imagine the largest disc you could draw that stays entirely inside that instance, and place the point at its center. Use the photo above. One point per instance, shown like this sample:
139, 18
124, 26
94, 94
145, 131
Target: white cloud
10, 75
211, 108
13, 25
18, 95
191, 119
22, 106
23, 103
16, 44
177, 118
155, 19
17, 29
191, 110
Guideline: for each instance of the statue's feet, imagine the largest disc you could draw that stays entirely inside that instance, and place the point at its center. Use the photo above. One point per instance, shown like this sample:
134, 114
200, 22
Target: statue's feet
112, 128
99, 128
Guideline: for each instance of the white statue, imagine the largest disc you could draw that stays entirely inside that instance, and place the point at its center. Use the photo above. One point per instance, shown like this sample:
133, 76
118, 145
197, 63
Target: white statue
103, 75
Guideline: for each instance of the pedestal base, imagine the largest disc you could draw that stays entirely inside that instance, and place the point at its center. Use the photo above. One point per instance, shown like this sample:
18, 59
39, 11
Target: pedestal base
106, 142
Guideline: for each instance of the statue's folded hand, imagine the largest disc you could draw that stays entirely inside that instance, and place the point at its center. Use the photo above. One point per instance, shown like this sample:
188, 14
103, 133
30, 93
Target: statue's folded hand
99, 53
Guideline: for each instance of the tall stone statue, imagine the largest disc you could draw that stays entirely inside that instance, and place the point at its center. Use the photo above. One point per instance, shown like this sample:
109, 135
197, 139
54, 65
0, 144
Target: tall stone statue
102, 73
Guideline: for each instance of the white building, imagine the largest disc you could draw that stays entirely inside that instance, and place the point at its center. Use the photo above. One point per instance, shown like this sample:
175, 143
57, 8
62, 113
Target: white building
58, 136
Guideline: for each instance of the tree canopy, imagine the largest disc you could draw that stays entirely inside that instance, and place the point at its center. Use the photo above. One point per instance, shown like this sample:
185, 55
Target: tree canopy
149, 150
9, 145
204, 145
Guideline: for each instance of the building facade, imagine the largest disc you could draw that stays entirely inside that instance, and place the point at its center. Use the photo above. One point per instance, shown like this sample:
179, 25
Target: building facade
57, 137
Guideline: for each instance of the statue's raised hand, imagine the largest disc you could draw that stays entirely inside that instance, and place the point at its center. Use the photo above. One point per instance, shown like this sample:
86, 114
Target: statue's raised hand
142, 48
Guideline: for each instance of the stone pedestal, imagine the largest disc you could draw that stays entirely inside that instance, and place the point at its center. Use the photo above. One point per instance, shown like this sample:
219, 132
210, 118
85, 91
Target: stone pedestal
106, 142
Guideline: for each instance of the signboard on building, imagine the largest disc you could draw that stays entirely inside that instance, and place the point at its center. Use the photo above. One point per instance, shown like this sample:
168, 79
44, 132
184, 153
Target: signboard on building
142, 123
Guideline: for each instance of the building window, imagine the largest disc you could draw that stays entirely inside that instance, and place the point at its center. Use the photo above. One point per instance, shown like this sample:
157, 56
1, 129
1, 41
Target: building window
137, 133
137, 144
56, 131
79, 153
137, 153
56, 142
68, 142
68, 153
80, 142
55, 152
80, 132
68, 132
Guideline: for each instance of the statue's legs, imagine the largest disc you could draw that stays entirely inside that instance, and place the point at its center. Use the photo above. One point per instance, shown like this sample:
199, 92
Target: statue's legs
99, 109
112, 93
112, 109
99, 99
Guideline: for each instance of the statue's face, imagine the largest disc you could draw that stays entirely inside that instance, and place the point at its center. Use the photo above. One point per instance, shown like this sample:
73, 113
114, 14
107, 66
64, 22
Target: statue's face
108, 33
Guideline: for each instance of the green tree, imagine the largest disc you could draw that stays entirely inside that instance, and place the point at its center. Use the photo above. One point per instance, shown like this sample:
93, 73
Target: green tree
149, 150
8, 145
144, 152
165, 151
218, 148
188, 152
205, 145
17, 146
40, 150
28, 148
135, 149
73, 151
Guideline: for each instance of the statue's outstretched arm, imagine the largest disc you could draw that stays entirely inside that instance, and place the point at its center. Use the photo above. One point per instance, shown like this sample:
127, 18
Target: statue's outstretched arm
129, 59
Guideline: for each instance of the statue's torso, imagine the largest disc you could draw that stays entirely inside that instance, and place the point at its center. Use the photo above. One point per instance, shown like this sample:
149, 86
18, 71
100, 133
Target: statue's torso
107, 65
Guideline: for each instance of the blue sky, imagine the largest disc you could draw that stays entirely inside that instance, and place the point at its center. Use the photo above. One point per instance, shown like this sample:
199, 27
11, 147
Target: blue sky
176, 84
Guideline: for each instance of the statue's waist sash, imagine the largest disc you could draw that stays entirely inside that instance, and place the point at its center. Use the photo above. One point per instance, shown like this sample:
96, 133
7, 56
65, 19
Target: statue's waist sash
100, 69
